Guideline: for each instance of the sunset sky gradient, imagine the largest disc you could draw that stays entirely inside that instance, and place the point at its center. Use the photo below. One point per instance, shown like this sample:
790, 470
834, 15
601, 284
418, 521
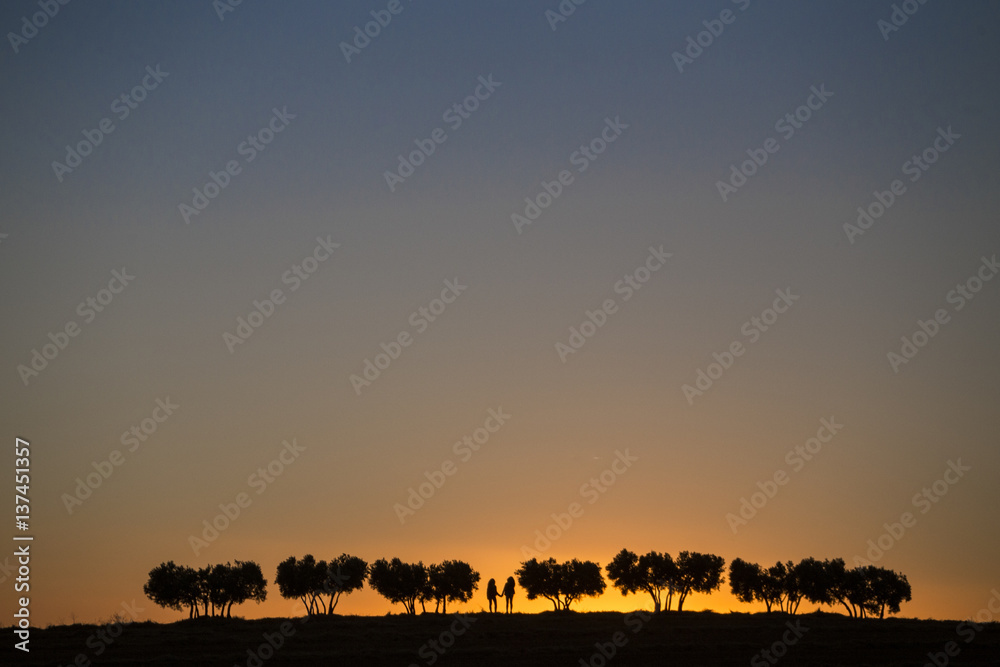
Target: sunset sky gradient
494, 347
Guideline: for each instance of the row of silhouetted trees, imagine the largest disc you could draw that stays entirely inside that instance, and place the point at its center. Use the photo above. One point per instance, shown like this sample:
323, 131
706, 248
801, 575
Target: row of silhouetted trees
864, 590
213, 590
406, 583
209, 591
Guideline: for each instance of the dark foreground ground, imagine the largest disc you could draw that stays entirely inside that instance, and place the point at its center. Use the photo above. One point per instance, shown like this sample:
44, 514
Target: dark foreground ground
572, 639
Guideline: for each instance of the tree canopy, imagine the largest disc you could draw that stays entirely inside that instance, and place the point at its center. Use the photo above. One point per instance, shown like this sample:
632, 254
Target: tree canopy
216, 587
453, 580
652, 572
399, 582
309, 580
560, 583
697, 573
863, 591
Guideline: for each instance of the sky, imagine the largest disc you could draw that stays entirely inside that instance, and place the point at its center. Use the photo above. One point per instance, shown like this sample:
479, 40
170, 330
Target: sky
617, 254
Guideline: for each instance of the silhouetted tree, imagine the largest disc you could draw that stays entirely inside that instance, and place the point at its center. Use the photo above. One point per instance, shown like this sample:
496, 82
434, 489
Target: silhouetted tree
793, 588
216, 587
863, 591
561, 583
344, 574
746, 581
859, 593
888, 590
301, 579
241, 582
779, 587
579, 579
844, 586
309, 580
168, 586
204, 588
871, 589
697, 573
451, 580
653, 572
541, 579
400, 582
815, 580
837, 582
192, 585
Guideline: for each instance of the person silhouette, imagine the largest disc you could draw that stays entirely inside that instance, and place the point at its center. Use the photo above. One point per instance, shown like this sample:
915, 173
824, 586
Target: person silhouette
492, 594
508, 592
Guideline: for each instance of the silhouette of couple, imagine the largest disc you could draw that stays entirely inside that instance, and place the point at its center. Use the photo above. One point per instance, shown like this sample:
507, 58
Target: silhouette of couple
508, 593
